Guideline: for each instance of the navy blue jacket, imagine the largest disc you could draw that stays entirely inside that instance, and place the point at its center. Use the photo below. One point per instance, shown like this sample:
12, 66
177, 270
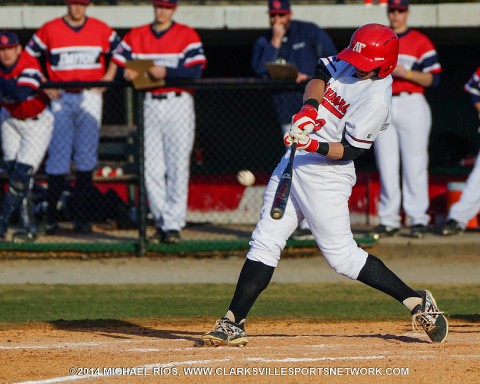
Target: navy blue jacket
303, 44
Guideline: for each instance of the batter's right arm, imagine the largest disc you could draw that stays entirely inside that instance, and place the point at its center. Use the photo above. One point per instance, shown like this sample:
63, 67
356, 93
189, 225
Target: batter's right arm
314, 89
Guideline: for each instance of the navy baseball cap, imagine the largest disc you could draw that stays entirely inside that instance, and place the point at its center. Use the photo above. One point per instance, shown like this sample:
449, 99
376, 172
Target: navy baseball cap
8, 39
278, 6
165, 3
398, 4
83, 2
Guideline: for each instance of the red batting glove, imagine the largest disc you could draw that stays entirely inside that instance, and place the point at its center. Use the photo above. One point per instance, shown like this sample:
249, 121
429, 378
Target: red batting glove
305, 119
305, 142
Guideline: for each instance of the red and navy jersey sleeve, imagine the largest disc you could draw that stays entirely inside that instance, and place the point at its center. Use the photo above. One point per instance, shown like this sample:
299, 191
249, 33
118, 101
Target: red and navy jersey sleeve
179, 49
473, 86
74, 54
416, 53
22, 98
31, 74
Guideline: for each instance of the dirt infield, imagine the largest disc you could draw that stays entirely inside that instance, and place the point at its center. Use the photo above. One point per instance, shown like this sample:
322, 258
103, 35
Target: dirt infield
278, 352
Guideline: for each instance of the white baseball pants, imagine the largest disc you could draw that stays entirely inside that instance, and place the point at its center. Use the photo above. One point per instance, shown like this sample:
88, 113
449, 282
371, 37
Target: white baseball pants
26, 141
76, 131
469, 203
404, 144
169, 137
320, 191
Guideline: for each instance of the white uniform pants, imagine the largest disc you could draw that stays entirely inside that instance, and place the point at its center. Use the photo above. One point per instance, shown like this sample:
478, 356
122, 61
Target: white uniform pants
404, 145
469, 203
320, 192
169, 137
76, 130
26, 141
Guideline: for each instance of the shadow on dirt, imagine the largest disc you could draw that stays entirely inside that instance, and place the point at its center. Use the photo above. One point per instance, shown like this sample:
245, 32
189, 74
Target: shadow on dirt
121, 329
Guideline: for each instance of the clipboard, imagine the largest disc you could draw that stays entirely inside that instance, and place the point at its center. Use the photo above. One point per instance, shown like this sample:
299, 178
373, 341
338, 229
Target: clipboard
143, 80
282, 71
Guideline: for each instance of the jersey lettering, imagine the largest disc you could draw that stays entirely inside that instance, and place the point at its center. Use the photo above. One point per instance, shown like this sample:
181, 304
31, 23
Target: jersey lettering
74, 59
334, 103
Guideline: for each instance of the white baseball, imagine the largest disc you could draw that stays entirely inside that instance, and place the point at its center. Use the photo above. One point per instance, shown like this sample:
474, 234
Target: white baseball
246, 178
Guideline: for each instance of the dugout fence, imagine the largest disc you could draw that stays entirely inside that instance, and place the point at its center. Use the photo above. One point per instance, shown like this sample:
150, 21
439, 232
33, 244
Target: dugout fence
237, 126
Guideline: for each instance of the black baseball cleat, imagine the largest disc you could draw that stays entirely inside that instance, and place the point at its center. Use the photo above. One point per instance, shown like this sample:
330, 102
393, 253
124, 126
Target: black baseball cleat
23, 237
171, 237
82, 227
226, 332
302, 234
383, 231
51, 227
433, 321
451, 227
418, 231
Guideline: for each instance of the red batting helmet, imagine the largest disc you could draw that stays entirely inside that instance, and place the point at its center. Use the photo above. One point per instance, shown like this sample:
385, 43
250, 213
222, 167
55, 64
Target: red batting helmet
372, 46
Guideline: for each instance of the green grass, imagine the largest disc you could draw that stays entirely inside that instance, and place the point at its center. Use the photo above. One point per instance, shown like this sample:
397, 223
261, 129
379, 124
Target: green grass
332, 302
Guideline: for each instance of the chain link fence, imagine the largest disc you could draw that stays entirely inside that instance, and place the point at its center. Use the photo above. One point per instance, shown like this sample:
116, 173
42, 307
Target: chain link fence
167, 161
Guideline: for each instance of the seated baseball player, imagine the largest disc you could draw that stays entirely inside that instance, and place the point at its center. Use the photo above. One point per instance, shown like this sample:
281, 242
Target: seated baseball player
26, 127
347, 105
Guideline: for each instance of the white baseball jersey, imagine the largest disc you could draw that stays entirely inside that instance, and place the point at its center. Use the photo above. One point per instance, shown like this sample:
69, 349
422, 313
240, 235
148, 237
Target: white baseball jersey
352, 109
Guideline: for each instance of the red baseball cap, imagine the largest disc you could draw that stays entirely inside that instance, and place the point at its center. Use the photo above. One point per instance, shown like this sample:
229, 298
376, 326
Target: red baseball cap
8, 39
165, 3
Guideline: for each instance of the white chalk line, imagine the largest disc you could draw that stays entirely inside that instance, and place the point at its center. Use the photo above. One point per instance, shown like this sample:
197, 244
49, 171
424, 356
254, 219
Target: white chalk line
248, 359
64, 379
200, 362
83, 344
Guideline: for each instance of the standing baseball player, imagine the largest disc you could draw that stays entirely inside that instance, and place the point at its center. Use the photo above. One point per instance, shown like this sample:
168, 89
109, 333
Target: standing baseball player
169, 113
74, 47
293, 42
346, 105
26, 128
405, 144
469, 204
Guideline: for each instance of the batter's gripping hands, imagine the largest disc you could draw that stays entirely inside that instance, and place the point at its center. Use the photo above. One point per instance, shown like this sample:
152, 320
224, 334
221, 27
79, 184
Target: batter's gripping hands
304, 142
304, 120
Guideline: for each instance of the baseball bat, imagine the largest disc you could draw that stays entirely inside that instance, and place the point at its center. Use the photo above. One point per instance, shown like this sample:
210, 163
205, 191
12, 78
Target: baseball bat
283, 189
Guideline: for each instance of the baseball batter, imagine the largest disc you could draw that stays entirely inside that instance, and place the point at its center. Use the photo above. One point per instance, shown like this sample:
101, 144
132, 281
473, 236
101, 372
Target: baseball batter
469, 203
294, 42
346, 106
405, 144
26, 128
74, 47
169, 113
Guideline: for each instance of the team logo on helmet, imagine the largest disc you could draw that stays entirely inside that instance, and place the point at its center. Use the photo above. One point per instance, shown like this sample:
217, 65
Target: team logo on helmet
4, 40
358, 47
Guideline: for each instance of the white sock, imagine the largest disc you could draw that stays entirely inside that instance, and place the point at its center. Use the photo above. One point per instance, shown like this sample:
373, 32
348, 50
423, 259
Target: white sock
412, 302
